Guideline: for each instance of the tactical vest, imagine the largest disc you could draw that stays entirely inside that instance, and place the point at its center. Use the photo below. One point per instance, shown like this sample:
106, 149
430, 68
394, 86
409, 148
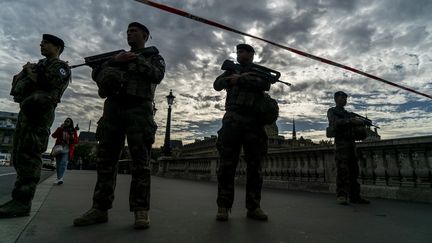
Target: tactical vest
23, 86
348, 131
138, 84
256, 103
128, 79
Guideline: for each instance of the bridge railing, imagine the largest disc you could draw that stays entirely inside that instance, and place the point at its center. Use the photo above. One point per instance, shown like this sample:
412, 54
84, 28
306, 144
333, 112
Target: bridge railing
397, 168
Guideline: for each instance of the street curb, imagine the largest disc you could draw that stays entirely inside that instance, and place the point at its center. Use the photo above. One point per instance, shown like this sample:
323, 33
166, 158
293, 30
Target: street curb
11, 229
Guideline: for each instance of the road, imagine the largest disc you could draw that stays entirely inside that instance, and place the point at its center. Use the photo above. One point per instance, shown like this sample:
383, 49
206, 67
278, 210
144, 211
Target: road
8, 175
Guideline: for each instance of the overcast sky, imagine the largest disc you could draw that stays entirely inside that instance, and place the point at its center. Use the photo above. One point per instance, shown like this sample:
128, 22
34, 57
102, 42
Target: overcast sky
390, 38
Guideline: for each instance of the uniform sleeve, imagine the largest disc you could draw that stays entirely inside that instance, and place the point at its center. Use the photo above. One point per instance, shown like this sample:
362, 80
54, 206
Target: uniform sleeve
222, 81
98, 68
56, 77
153, 68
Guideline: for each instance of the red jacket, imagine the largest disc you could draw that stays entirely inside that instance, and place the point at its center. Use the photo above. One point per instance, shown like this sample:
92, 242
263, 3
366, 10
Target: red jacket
58, 135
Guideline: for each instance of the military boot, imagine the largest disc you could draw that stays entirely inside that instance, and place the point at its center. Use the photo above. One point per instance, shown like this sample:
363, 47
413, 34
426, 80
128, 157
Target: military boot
142, 220
14, 209
222, 214
342, 200
257, 214
93, 216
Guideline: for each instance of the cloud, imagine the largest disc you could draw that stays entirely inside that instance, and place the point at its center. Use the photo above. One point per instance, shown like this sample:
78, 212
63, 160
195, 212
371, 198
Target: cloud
389, 39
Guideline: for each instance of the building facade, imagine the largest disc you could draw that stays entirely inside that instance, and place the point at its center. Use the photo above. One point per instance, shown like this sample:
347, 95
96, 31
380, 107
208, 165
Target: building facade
8, 121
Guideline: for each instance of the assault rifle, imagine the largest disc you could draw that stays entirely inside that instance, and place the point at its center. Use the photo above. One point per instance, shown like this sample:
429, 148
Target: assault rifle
366, 121
258, 70
96, 60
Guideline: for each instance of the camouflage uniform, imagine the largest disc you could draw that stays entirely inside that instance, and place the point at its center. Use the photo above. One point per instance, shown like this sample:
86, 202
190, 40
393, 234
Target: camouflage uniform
345, 153
128, 112
241, 128
33, 127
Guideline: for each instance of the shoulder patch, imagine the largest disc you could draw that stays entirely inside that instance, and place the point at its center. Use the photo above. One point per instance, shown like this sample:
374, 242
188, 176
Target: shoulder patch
62, 72
162, 62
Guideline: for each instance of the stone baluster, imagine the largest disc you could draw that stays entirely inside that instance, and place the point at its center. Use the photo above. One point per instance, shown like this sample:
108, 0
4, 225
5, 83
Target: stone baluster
296, 167
290, 167
278, 168
213, 168
330, 166
312, 166
379, 168
406, 169
362, 156
275, 168
284, 168
320, 167
421, 170
393, 174
370, 167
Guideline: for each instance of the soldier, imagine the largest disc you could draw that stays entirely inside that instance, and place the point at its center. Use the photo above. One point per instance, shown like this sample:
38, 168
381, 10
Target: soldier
343, 125
128, 80
241, 127
37, 88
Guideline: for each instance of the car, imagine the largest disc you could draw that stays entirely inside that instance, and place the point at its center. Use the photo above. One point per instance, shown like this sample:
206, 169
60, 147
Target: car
48, 161
4, 159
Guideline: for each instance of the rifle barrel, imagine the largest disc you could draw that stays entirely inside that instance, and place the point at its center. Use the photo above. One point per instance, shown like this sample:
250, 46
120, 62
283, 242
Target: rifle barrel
78, 65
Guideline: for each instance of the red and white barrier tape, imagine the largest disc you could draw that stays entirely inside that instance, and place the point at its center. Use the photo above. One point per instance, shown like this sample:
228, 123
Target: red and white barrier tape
317, 58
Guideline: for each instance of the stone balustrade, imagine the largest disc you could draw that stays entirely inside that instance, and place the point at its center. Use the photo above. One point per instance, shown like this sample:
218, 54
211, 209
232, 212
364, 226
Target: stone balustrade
396, 168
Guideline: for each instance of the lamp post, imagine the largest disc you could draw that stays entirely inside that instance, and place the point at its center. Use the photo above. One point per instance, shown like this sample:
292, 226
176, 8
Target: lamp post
167, 142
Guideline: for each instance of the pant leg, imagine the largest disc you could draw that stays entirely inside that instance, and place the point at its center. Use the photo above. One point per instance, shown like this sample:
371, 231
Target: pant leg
229, 144
255, 147
354, 188
343, 157
139, 195
111, 139
30, 141
140, 130
62, 161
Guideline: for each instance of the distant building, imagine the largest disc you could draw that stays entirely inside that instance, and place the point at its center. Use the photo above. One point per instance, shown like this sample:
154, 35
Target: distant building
372, 135
276, 141
204, 147
87, 137
176, 144
8, 121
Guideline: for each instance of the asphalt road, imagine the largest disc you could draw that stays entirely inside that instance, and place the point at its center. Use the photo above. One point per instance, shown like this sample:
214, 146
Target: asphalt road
184, 211
8, 175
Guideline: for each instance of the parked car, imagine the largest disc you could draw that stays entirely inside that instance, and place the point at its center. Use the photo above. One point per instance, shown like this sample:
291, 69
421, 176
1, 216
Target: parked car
5, 159
48, 161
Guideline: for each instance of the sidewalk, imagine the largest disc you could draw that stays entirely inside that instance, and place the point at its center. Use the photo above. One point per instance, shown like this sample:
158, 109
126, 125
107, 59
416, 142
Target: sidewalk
184, 211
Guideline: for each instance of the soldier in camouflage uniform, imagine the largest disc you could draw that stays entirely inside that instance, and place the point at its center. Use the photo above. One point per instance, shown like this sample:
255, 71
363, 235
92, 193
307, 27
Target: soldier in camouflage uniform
128, 81
37, 88
345, 154
241, 128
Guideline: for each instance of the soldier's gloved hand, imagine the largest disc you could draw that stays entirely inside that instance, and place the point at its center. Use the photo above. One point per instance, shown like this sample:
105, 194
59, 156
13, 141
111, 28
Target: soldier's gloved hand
30, 70
234, 78
125, 56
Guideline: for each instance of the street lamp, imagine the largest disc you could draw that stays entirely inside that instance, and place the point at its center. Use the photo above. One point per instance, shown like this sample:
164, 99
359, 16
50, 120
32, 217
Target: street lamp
167, 142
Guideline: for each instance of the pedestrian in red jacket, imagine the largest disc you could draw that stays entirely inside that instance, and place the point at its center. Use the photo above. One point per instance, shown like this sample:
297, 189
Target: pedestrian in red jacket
66, 136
